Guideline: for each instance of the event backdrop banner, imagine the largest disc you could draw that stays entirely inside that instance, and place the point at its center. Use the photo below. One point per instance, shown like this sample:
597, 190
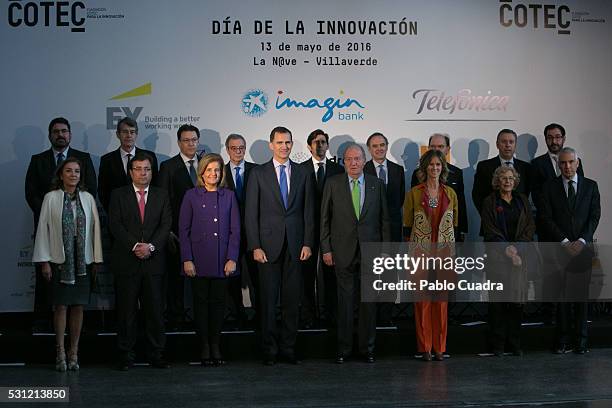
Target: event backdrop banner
403, 68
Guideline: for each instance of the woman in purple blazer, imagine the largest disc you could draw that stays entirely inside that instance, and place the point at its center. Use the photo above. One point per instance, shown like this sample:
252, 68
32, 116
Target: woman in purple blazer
209, 232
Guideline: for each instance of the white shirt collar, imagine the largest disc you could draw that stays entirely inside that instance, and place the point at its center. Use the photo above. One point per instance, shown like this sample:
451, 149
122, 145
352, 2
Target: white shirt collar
136, 189
503, 161
384, 164
186, 159
124, 153
287, 164
233, 166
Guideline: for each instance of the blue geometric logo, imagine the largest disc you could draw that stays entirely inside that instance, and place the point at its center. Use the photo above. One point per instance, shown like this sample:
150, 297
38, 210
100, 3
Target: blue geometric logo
254, 103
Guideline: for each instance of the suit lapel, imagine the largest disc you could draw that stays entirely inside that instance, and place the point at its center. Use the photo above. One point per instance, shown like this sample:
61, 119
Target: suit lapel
294, 182
50, 162
183, 174
346, 188
149, 206
271, 180
549, 167
368, 189
118, 164
230, 177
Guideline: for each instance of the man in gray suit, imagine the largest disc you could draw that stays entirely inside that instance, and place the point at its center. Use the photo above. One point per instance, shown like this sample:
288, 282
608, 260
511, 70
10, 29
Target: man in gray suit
353, 210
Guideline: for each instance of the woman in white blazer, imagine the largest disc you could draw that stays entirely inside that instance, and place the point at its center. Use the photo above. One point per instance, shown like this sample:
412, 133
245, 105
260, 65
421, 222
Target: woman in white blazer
68, 242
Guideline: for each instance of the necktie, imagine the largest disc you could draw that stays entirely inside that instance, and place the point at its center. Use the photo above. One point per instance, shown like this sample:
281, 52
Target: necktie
556, 165
141, 204
128, 158
60, 158
238, 184
508, 164
356, 196
284, 189
571, 194
382, 174
320, 176
192, 173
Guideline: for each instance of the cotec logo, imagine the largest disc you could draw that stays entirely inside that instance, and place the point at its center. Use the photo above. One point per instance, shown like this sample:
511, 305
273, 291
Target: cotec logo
523, 15
48, 14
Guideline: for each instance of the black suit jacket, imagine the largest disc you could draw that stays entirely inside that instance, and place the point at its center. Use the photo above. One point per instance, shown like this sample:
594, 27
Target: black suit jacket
331, 169
112, 174
127, 229
542, 171
484, 175
268, 223
174, 178
341, 231
42, 170
455, 181
560, 221
228, 182
396, 192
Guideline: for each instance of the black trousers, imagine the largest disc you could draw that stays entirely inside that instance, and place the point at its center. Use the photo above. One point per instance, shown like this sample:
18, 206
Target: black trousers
175, 292
349, 290
280, 277
572, 324
505, 325
209, 296
132, 288
309, 307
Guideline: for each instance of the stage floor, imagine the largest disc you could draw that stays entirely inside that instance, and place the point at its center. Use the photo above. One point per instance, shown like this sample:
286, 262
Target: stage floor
538, 378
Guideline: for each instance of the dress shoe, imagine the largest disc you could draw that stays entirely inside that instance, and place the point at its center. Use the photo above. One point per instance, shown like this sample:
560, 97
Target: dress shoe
269, 361
216, 357
340, 359
563, 349
498, 352
427, 356
439, 356
125, 365
370, 358
517, 353
290, 359
160, 363
581, 350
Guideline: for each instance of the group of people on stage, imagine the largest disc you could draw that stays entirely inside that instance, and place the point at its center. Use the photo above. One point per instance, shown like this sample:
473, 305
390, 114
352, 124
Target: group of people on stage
285, 223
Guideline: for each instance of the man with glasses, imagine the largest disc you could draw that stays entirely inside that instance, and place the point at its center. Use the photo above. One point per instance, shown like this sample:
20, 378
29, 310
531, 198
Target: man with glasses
177, 175
321, 168
236, 176
113, 165
37, 183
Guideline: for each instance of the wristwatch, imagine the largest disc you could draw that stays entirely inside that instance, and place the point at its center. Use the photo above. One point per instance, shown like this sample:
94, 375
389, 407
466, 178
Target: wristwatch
151, 247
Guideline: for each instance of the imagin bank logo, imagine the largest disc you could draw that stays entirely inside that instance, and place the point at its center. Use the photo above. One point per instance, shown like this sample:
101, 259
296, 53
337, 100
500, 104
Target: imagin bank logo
254, 103
328, 105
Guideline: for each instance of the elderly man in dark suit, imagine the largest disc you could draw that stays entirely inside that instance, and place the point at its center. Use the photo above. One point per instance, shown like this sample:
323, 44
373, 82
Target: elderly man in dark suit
176, 176
441, 142
321, 169
37, 184
353, 211
279, 221
113, 166
506, 145
140, 220
570, 215
236, 175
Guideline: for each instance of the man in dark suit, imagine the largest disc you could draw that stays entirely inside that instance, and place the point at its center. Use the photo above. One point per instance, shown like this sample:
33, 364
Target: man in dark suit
353, 210
441, 142
113, 166
140, 220
176, 176
570, 215
37, 183
279, 221
321, 168
392, 175
546, 167
506, 145
237, 172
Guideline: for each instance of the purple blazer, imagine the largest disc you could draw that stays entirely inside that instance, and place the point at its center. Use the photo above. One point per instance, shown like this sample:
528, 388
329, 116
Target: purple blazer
209, 230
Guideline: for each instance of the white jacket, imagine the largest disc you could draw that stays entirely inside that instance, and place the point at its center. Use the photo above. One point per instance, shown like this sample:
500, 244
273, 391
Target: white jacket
49, 244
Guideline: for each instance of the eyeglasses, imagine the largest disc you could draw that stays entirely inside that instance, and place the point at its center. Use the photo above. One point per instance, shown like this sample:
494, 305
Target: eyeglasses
190, 141
128, 131
237, 149
555, 137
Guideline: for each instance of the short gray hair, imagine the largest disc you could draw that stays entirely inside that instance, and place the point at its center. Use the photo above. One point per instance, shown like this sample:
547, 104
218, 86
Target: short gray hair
355, 146
569, 150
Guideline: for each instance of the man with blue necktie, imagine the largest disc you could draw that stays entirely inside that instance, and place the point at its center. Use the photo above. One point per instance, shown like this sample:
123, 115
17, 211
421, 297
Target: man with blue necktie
237, 172
279, 223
